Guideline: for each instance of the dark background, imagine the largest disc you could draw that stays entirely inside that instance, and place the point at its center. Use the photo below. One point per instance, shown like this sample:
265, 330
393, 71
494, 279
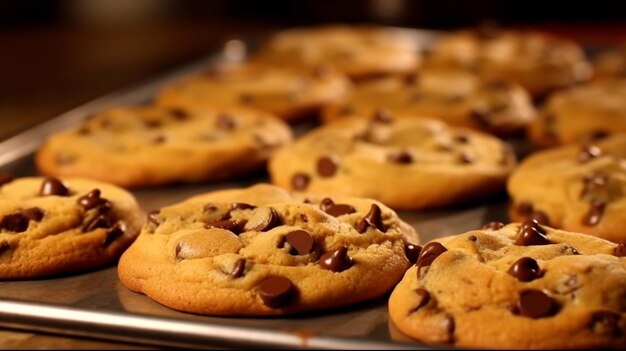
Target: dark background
57, 54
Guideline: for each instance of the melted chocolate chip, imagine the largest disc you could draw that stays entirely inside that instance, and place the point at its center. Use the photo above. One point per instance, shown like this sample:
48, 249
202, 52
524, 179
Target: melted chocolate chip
402, 157
593, 183
605, 323
429, 253
336, 261
372, 219
327, 205
382, 116
4, 246
301, 241
5, 178
481, 118
112, 234
327, 166
209, 208
179, 114
594, 215
589, 152
239, 269
33, 214
493, 226
536, 304
153, 217
620, 249
277, 291
53, 186
300, 181
531, 233
425, 298
92, 200
412, 252
241, 206
225, 122
98, 221
263, 219
14, 222
472, 238
541, 217
525, 269
227, 224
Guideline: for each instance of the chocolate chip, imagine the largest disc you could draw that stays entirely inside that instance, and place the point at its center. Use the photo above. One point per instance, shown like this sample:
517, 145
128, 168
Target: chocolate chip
240, 267
429, 253
605, 323
241, 206
277, 291
263, 219
525, 269
531, 234
372, 219
594, 215
589, 152
598, 134
92, 200
53, 186
336, 261
412, 252
525, 209
33, 214
466, 158
209, 208
178, 114
424, 299
481, 117
301, 241
593, 183
300, 181
493, 226
541, 217
401, 157
327, 166
152, 123
225, 122
227, 224
98, 221
461, 138
620, 249
535, 224
382, 116
14, 222
472, 238
112, 234
327, 205
153, 217
5, 178
4, 246
536, 304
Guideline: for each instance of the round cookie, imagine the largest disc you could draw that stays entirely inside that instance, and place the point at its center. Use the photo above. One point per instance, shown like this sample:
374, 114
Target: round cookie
540, 62
287, 92
456, 97
519, 286
264, 251
406, 163
579, 188
51, 226
357, 51
610, 64
148, 145
584, 113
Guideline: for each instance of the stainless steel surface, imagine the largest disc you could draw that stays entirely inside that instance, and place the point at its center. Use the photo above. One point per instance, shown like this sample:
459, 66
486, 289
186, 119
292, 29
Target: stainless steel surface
95, 304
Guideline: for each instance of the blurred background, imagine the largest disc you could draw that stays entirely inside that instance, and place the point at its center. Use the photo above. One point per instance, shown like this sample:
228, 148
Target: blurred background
57, 54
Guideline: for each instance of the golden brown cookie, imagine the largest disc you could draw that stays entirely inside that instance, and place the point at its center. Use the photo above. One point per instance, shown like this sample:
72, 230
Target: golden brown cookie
579, 188
456, 97
407, 163
285, 91
148, 145
264, 251
584, 113
52, 226
519, 286
610, 64
538, 61
358, 51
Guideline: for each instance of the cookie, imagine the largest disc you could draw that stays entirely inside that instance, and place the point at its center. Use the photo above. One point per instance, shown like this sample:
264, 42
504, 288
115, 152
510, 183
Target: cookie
540, 62
149, 145
51, 226
290, 93
579, 188
584, 113
610, 64
407, 163
519, 286
456, 97
357, 51
264, 251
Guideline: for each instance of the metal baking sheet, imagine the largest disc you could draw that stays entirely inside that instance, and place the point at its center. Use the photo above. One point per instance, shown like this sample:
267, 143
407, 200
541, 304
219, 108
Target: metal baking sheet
97, 305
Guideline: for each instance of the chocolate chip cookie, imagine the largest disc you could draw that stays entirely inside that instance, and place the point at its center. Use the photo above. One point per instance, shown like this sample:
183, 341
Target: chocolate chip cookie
264, 251
456, 97
358, 51
149, 145
290, 93
610, 64
406, 163
519, 286
581, 114
579, 188
540, 62
52, 226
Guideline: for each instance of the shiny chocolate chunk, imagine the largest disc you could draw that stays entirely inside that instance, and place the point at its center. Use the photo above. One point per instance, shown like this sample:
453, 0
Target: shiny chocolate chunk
225, 122
525, 209
227, 224
535, 224
382, 116
593, 183
263, 219
209, 208
277, 291
620, 249
241, 206
536, 304
424, 299
525, 269
33, 214
589, 152
412, 252
531, 233
300, 181
112, 234
472, 238
98, 221
336, 261
594, 214
301, 241
53, 186
14, 222
327, 166
327, 205
372, 219
153, 217
541, 217
239, 269
4, 246
605, 323
92, 200
493, 226
5, 178
401, 157
179, 114
429, 253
